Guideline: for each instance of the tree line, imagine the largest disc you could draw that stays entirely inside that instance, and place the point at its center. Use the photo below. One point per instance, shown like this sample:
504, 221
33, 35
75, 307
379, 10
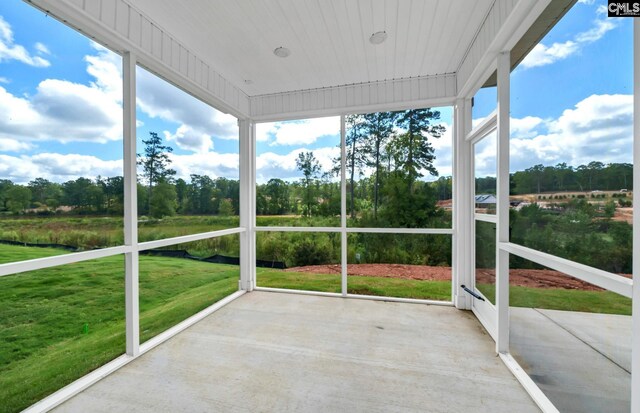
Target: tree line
565, 178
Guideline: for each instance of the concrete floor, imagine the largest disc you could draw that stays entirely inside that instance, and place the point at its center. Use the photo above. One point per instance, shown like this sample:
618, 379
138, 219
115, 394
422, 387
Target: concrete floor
581, 361
270, 352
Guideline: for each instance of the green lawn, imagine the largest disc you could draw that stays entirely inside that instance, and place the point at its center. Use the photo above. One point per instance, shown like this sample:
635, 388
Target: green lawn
60, 323
552, 298
331, 283
605, 302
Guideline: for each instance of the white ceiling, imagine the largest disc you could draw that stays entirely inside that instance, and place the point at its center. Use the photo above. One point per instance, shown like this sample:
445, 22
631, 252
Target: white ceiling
328, 39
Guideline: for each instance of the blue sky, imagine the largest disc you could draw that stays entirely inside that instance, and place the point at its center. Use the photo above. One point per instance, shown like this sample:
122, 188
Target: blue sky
60, 99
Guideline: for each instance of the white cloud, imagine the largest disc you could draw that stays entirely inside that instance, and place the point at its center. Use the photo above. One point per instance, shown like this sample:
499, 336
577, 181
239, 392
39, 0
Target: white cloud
198, 122
264, 132
600, 127
12, 145
211, 164
272, 165
542, 54
188, 139
525, 127
56, 167
299, 132
4, 80
65, 111
41, 48
11, 51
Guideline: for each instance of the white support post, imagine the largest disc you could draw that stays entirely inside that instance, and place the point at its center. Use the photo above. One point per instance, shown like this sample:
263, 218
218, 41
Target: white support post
132, 308
502, 207
343, 204
635, 348
463, 189
247, 204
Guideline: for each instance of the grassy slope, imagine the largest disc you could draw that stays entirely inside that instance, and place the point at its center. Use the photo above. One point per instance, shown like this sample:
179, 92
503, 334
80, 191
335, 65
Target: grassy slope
43, 314
60, 323
554, 298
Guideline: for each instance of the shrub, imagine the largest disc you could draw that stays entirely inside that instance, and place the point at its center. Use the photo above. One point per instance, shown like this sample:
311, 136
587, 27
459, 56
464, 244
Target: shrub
308, 251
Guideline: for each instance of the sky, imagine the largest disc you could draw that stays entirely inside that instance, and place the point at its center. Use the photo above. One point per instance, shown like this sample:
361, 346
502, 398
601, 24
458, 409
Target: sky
61, 97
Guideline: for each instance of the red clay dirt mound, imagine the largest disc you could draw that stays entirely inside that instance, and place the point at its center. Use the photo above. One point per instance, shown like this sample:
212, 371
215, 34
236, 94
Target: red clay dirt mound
520, 277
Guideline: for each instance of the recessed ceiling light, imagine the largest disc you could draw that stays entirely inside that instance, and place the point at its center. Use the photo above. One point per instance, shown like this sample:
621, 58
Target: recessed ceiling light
378, 37
282, 52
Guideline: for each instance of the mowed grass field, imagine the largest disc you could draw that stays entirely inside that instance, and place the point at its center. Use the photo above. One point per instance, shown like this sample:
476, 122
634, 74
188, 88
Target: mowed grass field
60, 323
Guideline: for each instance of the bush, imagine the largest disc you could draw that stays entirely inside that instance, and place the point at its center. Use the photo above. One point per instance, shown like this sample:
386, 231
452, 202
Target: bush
308, 251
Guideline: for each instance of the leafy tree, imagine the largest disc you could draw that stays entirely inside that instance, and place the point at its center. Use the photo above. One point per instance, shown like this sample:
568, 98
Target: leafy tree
355, 156
43, 190
155, 163
378, 128
226, 208
113, 190
5, 185
78, 193
276, 193
412, 150
164, 200
19, 198
310, 168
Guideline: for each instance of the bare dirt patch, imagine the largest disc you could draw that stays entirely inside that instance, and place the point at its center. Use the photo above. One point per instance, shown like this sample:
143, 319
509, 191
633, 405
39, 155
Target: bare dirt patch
519, 277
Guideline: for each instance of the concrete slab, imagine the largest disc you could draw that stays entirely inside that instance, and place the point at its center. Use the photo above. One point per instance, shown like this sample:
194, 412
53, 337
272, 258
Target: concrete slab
560, 353
269, 352
608, 334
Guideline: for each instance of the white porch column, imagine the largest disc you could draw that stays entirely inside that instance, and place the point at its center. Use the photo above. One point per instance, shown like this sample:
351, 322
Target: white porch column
247, 204
132, 308
635, 348
502, 207
463, 191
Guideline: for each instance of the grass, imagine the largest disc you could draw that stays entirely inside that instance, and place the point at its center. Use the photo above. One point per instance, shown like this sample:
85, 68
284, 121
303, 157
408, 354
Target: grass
380, 286
605, 302
100, 232
60, 323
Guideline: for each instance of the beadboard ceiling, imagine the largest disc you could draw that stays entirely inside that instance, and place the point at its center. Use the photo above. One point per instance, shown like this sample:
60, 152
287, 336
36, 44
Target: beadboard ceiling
328, 39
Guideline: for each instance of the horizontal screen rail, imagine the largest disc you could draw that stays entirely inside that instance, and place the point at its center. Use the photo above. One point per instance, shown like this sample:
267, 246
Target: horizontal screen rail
442, 231
604, 279
46, 262
148, 245
488, 125
298, 229
486, 218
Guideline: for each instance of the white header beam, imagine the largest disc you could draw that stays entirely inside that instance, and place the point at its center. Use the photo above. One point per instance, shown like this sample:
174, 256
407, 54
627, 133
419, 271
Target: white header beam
429, 91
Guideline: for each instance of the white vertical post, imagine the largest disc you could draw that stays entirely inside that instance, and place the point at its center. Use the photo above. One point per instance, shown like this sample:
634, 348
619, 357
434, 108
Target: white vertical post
635, 348
463, 188
502, 207
343, 204
132, 308
246, 130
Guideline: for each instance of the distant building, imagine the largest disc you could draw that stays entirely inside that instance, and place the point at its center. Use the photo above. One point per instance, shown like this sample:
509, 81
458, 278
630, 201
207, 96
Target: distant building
486, 201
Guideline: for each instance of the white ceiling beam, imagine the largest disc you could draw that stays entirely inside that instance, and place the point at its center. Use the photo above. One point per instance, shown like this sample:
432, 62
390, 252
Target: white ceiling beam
427, 91
117, 25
